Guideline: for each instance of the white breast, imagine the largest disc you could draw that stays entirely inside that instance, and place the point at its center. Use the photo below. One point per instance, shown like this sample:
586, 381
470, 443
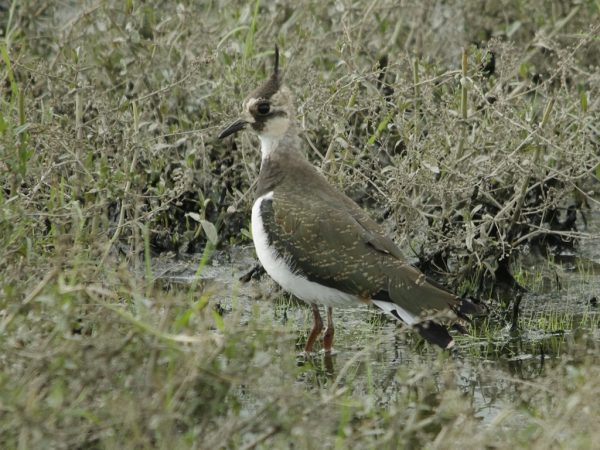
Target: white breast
279, 270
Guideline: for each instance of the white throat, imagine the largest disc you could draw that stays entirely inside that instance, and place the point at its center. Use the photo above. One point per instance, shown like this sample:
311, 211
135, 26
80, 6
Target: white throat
268, 144
271, 135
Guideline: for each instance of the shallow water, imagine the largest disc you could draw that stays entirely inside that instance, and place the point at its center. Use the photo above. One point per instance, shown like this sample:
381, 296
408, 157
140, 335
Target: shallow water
370, 347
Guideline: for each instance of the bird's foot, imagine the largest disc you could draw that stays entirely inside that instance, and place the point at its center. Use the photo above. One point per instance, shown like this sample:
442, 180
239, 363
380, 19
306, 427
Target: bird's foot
256, 272
303, 357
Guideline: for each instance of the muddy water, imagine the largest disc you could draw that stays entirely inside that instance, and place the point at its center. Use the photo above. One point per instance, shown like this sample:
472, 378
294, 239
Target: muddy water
371, 348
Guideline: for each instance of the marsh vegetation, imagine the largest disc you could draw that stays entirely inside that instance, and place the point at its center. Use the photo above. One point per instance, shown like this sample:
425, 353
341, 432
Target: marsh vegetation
470, 130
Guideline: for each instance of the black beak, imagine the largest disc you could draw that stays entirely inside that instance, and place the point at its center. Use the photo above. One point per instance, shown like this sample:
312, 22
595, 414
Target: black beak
236, 126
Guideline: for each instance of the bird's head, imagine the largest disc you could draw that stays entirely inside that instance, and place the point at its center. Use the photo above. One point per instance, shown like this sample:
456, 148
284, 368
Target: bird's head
268, 110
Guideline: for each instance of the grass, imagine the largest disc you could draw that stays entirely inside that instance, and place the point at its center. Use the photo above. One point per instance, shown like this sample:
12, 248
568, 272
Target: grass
108, 162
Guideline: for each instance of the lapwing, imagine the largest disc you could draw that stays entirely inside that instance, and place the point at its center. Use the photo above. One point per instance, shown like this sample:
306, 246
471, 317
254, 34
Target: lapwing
317, 243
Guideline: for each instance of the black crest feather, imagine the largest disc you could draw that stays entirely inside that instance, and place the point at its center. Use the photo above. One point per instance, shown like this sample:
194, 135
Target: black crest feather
276, 63
272, 84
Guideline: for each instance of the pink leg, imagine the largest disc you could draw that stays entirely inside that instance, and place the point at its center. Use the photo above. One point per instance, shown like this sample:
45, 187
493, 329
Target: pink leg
317, 328
328, 338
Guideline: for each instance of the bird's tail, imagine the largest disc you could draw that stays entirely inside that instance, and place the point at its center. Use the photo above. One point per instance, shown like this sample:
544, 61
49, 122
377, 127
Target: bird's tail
434, 333
431, 330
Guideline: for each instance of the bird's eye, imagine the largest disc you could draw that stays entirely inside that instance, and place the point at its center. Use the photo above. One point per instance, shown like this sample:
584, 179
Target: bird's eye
263, 108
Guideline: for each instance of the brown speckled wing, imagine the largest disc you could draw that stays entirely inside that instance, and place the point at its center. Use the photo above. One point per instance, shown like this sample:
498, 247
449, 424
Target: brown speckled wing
333, 245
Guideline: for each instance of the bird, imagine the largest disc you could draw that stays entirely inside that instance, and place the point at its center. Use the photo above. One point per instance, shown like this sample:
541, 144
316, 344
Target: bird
318, 244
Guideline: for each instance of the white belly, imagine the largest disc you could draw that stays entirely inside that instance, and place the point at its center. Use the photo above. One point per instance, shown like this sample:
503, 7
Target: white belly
279, 270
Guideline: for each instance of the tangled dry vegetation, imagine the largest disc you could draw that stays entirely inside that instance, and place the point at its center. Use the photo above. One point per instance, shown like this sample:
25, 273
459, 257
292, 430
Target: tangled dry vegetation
469, 157
470, 130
